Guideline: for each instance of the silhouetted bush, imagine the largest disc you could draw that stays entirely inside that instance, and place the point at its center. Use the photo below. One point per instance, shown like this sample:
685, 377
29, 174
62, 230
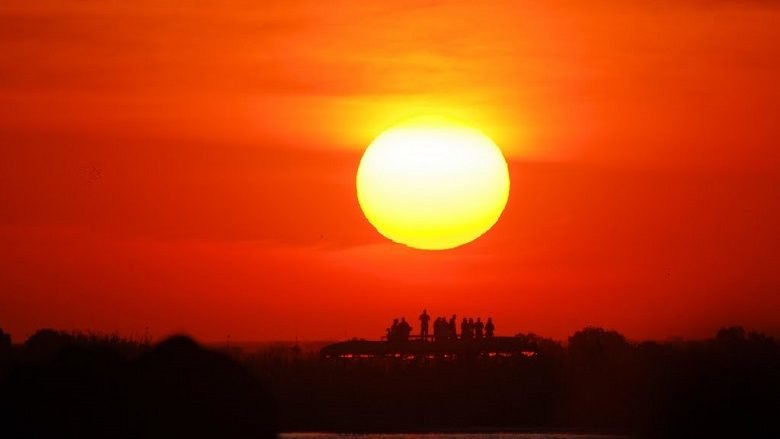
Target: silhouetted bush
177, 389
183, 390
47, 342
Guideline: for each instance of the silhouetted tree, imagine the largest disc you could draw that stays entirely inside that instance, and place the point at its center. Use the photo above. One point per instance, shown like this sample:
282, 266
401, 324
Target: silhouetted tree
594, 344
599, 368
731, 336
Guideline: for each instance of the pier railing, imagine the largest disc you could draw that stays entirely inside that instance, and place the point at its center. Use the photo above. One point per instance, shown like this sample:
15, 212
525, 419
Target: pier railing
431, 337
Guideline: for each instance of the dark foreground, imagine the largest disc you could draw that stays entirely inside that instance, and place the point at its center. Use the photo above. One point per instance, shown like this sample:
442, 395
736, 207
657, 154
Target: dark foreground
58, 386
61, 385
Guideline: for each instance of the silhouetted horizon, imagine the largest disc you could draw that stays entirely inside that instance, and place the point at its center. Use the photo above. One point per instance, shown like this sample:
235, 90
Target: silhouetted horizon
596, 382
259, 342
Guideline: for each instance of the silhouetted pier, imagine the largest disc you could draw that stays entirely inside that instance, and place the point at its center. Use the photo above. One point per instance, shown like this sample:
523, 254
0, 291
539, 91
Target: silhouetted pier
425, 347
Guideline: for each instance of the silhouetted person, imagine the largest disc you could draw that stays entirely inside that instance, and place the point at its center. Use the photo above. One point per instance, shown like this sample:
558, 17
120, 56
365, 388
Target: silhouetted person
404, 330
439, 329
464, 329
446, 334
478, 328
453, 327
424, 318
490, 328
392, 331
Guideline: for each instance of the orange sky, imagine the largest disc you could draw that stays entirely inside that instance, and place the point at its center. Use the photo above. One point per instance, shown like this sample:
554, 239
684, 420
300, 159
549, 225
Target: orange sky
179, 167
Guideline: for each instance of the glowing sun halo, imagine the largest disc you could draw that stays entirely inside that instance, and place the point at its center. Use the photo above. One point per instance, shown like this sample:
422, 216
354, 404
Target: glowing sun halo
432, 186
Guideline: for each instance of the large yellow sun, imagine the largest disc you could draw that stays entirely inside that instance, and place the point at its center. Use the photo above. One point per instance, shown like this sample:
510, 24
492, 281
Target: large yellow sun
432, 186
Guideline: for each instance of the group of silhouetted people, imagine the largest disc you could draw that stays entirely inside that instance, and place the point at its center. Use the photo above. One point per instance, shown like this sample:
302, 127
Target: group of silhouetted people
399, 330
443, 329
470, 329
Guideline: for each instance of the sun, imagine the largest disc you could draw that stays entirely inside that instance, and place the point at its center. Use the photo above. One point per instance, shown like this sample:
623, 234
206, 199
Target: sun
432, 185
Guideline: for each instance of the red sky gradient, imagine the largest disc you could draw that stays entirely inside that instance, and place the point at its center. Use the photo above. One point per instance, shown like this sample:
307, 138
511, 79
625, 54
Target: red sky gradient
191, 168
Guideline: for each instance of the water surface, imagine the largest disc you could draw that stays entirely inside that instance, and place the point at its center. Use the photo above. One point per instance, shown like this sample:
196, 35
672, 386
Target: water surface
445, 436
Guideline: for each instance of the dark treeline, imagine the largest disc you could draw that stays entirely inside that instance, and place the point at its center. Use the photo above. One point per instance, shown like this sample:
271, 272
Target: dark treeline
597, 382
64, 385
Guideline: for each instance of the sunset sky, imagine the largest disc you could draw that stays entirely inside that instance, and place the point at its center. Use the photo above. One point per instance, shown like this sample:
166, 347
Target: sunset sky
190, 166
